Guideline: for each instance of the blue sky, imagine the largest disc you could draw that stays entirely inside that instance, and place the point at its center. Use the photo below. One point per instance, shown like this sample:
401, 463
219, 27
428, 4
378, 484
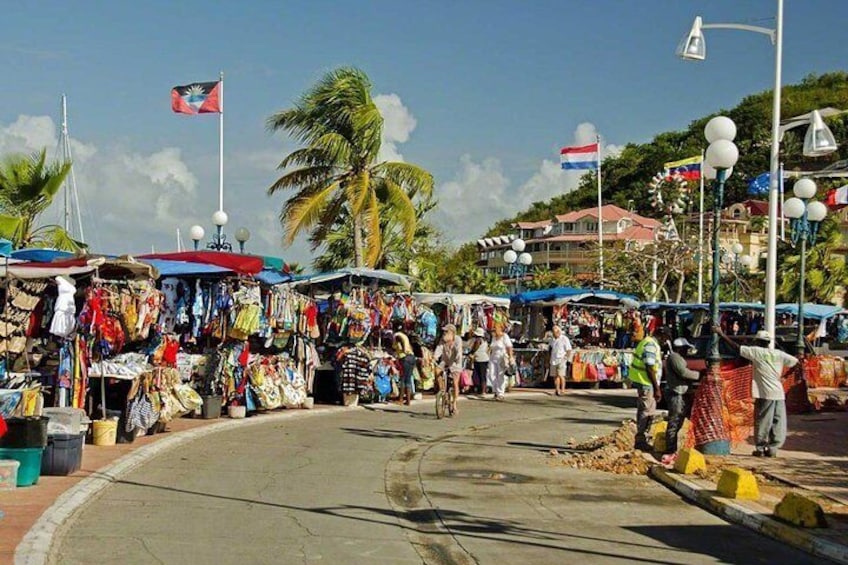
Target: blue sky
485, 93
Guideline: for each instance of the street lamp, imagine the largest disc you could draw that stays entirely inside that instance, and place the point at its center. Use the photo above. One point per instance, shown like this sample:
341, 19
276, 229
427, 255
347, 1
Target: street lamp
518, 261
745, 260
721, 155
219, 238
806, 216
694, 48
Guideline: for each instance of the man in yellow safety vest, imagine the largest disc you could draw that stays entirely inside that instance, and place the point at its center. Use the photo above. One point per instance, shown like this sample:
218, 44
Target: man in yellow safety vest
645, 372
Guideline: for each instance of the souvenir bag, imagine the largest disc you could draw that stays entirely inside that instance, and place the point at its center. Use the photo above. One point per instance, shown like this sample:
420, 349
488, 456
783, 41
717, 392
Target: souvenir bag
465, 380
591, 372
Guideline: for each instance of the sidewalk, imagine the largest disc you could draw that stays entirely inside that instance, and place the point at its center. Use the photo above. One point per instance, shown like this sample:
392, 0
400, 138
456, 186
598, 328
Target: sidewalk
814, 462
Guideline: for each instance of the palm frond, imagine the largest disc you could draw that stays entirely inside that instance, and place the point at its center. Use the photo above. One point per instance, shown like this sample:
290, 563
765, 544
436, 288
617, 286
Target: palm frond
412, 178
404, 209
303, 178
374, 240
300, 214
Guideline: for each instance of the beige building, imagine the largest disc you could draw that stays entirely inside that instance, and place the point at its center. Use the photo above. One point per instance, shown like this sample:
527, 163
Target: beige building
567, 240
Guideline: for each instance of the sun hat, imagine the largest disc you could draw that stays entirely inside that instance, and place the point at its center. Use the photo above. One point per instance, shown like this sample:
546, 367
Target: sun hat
449, 328
681, 342
479, 332
763, 335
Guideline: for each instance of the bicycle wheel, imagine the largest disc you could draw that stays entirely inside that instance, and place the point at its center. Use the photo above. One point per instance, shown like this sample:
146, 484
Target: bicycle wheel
440, 404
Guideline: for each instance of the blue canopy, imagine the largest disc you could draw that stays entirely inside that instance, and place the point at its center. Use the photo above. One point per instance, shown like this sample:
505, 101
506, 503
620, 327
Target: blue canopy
811, 311
5, 247
41, 255
272, 276
704, 306
571, 294
169, 268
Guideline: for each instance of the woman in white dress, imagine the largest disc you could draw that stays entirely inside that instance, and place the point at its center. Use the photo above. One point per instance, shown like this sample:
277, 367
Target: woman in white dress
500, 355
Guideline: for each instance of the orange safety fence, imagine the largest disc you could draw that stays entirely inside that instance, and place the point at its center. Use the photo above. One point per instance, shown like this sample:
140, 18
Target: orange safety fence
734, 400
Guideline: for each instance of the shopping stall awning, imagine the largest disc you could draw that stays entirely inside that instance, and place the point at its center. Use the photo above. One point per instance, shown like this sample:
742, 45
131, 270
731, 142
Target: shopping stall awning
565, 294
811, 311
724, 306
169, 268
459, 299
42, 255
361, 276
238, 263
121, 267
272, 277
40, 271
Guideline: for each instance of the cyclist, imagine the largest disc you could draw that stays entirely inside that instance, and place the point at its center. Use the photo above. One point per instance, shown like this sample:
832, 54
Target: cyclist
448, 356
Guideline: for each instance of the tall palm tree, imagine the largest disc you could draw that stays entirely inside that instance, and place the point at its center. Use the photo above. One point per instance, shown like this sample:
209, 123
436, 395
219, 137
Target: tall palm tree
28, 185
337, 170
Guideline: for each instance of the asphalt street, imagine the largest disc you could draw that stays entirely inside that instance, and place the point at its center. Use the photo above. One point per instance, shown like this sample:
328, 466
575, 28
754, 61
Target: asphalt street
392, 484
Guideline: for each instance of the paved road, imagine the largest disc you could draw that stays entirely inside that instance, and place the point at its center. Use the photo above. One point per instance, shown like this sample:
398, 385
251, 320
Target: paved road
394, 485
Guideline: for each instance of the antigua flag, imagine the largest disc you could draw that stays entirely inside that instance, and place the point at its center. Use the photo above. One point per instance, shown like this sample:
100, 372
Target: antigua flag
196, 98
689, 169
583, 157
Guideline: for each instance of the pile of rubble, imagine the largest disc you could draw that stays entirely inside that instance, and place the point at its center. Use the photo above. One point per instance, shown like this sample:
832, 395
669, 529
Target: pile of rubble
612, 453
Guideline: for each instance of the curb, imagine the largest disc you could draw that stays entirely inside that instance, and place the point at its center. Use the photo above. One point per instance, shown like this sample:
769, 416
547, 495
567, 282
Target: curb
759, 521
34, 548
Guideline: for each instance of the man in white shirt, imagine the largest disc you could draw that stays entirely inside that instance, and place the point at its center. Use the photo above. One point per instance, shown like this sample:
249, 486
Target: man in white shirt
560, 349
769, 399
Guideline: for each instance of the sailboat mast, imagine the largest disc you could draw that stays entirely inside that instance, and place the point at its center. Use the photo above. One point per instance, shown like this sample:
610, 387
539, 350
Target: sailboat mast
70, 180
66, 214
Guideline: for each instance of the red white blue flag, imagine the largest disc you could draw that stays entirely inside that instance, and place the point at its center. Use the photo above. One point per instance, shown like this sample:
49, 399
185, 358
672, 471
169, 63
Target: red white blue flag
582, 157
196, 98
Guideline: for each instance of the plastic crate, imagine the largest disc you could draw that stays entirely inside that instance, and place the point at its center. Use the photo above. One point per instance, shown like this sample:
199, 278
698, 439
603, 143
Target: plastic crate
9, 473
30, 460
63, 454
64, 420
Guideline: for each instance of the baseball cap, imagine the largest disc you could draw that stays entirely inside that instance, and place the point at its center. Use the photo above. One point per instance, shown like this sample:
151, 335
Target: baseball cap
449, 328
479, 332
681, 342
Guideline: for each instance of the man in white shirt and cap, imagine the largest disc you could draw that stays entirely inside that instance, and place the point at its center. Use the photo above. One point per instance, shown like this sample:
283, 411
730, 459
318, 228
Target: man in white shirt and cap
769, 399
560, 349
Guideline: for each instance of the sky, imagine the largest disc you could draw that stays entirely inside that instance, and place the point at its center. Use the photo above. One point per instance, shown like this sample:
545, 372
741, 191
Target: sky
481, 94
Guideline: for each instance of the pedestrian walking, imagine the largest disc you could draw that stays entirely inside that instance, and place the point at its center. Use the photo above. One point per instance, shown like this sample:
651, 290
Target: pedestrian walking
480, 355
403, 351
500, 356
560, 349
645, 371
769, 399
680, 380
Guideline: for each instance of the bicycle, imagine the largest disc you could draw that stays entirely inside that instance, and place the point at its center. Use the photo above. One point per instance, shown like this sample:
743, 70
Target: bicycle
445, 398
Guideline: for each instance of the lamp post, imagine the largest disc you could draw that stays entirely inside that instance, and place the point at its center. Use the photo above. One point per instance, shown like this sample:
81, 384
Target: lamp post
721, 155
518, 262
806, 216
694, 48
738, 258
746, 261
219, 238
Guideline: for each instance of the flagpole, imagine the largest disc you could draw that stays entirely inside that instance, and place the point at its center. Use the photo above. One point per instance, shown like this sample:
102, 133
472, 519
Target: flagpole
221, 142
600, 218
782, 217
701, 237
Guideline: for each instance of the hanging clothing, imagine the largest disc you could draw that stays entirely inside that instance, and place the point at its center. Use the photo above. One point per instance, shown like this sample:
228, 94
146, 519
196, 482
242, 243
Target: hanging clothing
64, 312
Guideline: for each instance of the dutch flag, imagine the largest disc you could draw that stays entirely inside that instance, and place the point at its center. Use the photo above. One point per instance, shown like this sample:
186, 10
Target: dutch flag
583, 157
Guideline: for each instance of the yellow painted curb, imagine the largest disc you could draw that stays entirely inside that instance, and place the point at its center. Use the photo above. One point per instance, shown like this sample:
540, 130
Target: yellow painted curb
801, 511
738, 483
689, 461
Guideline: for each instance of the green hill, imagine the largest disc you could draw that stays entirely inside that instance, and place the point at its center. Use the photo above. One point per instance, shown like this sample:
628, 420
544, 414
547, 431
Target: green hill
626, 176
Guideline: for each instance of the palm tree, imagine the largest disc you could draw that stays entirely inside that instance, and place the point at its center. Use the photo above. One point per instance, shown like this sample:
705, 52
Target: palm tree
28, 185
337, 170
826, 270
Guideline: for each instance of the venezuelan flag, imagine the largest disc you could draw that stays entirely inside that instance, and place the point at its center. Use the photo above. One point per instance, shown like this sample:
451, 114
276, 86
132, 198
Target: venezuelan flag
689, 169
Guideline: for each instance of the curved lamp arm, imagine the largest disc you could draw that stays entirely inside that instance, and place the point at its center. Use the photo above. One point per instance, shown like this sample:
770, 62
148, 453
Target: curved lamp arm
772, 33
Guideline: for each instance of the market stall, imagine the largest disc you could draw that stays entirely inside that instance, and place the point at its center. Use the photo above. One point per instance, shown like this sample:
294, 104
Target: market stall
598, 323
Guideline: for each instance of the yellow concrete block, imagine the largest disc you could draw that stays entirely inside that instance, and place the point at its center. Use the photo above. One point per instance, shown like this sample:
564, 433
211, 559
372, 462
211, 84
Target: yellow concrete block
738, 483
689, 461
801, 511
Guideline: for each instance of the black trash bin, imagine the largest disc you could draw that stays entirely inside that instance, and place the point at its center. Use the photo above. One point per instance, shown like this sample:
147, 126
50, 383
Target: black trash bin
25, 433
63, 454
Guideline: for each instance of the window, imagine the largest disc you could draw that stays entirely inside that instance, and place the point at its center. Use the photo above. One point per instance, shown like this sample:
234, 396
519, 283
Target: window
567, 227
591, 226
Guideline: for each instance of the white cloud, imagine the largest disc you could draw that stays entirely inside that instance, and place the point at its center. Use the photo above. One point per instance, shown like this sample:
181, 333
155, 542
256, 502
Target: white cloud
398, 124
481, 194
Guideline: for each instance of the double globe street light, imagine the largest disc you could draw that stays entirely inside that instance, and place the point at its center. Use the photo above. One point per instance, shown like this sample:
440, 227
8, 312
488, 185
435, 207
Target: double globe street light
518, 262
721, 156
745, 260
219, 238
806, 216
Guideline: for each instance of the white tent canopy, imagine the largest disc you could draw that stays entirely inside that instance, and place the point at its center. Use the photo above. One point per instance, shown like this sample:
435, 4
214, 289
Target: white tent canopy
459, 299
